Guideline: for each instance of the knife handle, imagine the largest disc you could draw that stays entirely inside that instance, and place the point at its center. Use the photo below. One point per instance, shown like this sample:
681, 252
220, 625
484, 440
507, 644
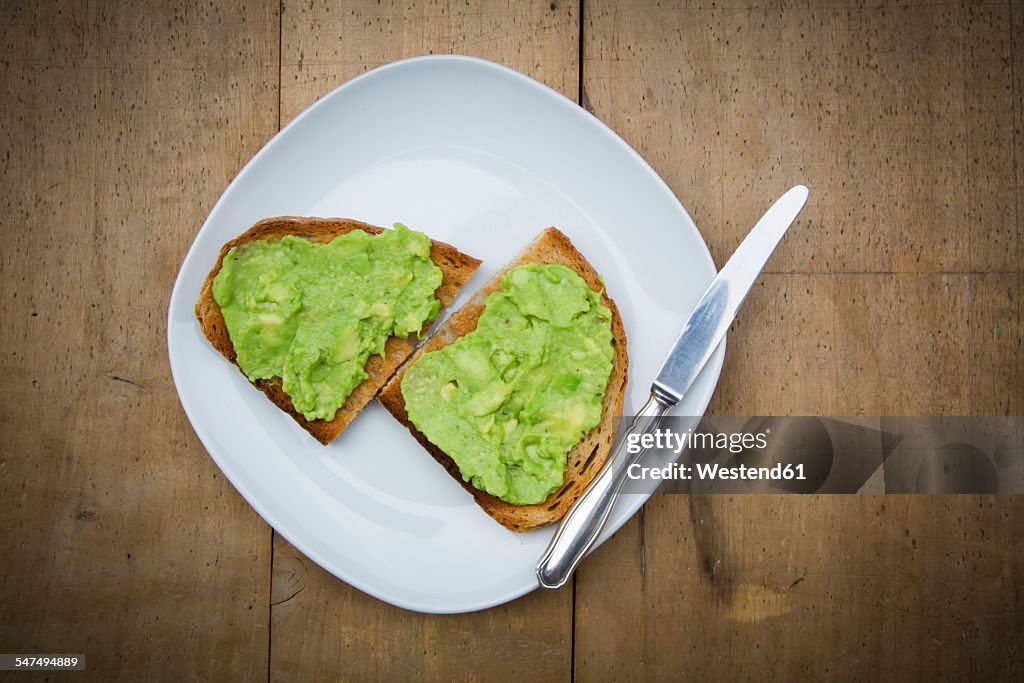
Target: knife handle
580, 528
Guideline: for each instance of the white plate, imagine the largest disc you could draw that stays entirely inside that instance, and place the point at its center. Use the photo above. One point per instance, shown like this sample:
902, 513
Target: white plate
474, 154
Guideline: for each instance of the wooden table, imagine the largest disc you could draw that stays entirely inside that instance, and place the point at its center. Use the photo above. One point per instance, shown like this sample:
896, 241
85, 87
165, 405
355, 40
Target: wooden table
899, 291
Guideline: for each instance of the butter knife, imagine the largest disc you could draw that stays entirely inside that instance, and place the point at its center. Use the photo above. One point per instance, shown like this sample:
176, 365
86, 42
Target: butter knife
700, 337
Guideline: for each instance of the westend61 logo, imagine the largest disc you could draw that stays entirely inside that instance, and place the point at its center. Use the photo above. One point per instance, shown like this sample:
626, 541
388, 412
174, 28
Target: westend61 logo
715, 472
723, 454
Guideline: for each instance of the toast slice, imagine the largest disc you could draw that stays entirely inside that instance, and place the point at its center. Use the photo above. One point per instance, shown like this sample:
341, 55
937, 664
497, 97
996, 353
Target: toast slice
588, 456
456, 269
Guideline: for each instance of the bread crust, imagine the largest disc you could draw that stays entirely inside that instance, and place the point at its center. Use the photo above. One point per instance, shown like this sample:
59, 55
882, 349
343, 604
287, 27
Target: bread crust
456, 269
587, 457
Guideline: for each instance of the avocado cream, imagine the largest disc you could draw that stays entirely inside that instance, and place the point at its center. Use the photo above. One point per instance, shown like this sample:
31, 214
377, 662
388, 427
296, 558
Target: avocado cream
508, 401
313, 313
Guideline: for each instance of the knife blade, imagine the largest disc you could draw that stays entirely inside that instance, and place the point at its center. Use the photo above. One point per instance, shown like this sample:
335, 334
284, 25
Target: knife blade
698, 339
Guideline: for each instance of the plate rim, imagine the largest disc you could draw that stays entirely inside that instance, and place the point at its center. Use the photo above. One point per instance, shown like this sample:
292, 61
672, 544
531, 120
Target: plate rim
714, 365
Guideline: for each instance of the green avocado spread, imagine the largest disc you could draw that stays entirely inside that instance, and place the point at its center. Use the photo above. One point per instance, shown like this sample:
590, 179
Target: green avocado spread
313, 313
509, 400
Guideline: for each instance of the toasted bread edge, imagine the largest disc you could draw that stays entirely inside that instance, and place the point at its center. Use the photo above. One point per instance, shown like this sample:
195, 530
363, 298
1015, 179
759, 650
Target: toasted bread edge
587, 457
456, 268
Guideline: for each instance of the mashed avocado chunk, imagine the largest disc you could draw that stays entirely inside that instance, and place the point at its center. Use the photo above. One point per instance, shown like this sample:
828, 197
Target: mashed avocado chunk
313, 313
509, 400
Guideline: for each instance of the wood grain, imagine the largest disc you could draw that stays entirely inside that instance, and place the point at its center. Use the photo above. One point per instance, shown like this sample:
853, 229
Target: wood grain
898, 115
897, 292
329, 630
120, 124
323, 629
834, 588
325, 44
